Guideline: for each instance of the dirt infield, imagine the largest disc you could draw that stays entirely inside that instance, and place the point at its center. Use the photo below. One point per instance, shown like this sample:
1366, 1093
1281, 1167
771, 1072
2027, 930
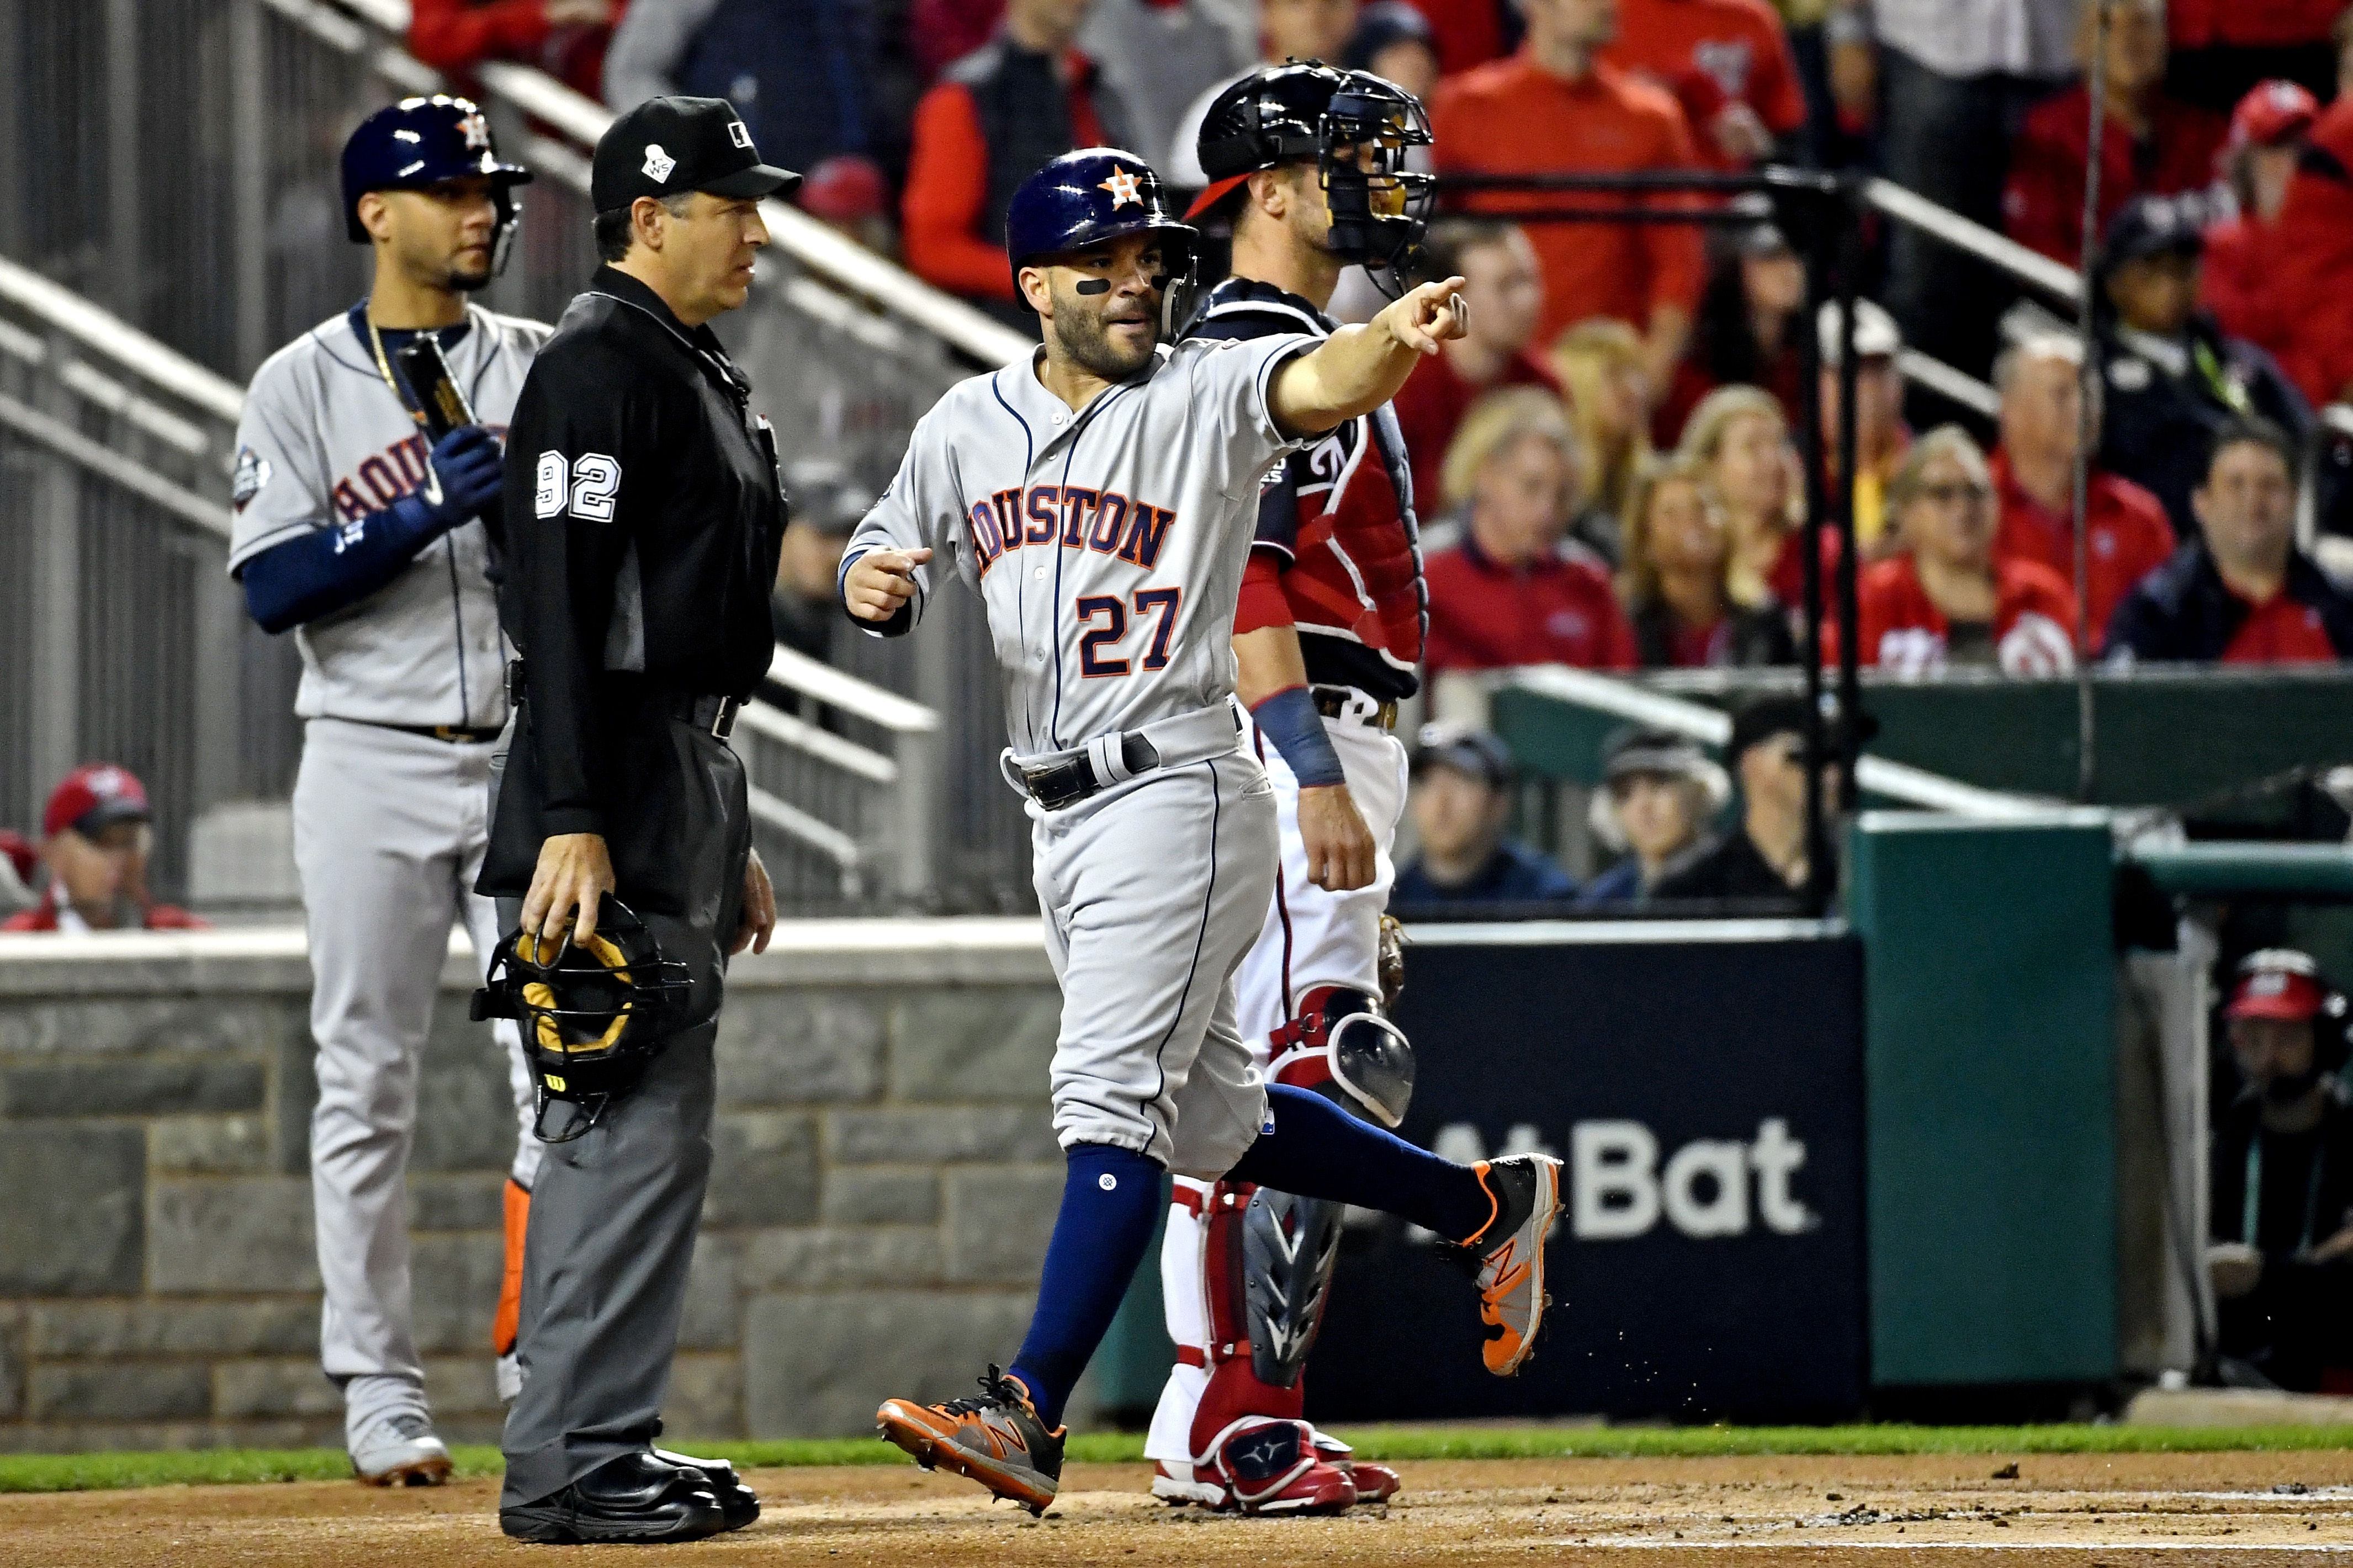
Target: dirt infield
2111, 1509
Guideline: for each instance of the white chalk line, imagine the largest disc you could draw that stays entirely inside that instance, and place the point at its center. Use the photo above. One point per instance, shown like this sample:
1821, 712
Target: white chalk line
1644, 1543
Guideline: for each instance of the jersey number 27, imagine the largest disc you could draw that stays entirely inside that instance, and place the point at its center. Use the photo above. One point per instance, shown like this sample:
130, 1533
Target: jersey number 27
1160, 603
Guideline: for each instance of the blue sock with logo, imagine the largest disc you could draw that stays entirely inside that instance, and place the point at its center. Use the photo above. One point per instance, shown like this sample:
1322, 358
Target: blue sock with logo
1317, 1149
1112, 1200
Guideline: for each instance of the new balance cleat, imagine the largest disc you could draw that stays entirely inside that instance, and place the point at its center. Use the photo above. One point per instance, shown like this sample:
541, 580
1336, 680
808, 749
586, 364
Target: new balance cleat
1259, 1466
996, 1439
1506, 1257
401, 1451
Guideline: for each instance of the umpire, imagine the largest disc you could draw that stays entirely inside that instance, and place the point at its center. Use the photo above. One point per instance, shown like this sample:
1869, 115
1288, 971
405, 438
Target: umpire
644, 515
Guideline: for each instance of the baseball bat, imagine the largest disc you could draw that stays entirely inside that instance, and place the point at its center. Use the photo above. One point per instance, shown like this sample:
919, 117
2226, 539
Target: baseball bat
426, 370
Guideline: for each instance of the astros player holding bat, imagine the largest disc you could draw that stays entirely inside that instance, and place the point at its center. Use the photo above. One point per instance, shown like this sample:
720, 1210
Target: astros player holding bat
1099, 496
359, 534
1326, 642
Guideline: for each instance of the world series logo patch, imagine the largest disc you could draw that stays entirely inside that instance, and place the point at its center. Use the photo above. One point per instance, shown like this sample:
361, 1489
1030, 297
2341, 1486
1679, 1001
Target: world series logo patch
253, 472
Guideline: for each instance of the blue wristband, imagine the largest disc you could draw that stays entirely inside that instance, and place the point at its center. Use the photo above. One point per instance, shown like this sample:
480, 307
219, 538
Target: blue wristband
1288, 719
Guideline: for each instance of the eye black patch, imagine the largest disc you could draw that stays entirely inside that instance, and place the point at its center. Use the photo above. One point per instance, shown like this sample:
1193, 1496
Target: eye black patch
1093, 285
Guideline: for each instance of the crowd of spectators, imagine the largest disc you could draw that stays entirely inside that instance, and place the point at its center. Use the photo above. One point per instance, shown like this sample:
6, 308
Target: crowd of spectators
1669, 357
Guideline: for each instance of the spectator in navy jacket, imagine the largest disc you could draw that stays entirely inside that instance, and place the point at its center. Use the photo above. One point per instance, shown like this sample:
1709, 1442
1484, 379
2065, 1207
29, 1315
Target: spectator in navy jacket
806, 75
1659, 793
2243, 594
1765, 857
2173, 377
1461, 801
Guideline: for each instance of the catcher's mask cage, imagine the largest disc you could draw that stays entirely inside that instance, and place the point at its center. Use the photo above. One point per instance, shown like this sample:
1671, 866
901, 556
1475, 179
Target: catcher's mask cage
1380, 208
592, 1015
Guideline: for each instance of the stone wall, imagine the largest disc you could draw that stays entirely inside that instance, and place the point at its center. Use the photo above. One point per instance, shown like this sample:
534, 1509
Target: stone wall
884, 1184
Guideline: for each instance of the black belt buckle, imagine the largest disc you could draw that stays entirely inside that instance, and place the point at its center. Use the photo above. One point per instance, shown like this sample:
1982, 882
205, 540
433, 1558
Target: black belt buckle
723, 723
514, 682
1063, 783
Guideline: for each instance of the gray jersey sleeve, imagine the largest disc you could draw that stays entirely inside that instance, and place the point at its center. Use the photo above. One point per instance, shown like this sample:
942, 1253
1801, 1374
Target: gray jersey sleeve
1233, 388
280, 487
922, 509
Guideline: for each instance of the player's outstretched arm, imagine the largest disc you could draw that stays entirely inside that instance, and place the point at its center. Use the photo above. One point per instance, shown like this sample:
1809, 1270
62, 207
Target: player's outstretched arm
1360, 368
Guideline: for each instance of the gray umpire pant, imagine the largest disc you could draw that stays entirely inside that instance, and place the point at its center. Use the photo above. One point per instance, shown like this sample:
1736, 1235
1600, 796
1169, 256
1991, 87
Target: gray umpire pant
614, 1214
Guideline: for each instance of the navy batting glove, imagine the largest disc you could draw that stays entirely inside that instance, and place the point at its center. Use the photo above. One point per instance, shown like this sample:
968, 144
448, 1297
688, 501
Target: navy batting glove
470, 466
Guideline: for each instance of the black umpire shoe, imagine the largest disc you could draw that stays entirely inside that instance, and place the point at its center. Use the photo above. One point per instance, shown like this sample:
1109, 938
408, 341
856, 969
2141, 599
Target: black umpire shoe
635, 1498
739, 1503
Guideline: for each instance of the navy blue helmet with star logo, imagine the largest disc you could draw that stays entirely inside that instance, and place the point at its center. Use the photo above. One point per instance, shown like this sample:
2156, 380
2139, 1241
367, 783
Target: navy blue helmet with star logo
422, 142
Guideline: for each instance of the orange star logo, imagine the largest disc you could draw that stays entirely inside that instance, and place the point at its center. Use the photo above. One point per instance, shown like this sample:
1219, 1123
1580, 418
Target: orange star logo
1124, 187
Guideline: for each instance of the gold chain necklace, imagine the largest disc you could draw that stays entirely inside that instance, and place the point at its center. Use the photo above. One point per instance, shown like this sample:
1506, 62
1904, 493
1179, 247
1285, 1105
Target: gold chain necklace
384, 367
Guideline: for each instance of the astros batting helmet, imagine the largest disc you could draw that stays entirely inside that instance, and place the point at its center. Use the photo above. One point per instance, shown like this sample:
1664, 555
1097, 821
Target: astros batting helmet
1355, 128
1094, 195
421, 142
593, 1013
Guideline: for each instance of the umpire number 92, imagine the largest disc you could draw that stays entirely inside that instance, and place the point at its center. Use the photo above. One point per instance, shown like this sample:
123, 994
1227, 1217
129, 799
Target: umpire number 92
586, 485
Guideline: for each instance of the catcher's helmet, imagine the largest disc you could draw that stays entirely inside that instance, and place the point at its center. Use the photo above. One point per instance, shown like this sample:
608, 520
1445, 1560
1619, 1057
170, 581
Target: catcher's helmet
421, 142
1096, 193
592, 1015
1355, 128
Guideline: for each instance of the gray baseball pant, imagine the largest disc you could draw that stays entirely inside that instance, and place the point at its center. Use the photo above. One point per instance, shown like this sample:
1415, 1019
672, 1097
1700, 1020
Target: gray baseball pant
614, 1214
1152, 893
389, 830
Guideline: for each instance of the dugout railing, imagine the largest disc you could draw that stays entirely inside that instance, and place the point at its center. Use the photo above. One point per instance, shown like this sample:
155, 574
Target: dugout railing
120, 638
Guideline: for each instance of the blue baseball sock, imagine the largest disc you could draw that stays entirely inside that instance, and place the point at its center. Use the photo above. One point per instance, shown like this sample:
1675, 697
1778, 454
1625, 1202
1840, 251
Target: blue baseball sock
1110, 1204
1319, 1151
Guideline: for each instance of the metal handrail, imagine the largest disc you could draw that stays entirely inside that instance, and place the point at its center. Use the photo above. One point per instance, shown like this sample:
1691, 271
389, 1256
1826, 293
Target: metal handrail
154, 363
1713, 727
837, 689
1955, 385
2029, 266
185, 505
814, 246
773, 724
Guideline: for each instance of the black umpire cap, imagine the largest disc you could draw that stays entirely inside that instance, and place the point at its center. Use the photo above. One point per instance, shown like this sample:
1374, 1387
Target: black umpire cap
669, 146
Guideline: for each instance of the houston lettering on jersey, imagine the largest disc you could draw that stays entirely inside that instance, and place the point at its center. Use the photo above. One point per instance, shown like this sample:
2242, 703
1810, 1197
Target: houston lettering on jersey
1102, 520
385, 476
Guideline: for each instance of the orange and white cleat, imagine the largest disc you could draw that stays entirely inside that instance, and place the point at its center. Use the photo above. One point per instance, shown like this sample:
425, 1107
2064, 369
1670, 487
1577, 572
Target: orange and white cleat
1506, 1257
996, 1439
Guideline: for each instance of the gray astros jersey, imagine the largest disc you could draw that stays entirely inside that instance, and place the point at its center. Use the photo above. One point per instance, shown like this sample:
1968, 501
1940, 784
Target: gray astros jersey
324, 443
1108, 543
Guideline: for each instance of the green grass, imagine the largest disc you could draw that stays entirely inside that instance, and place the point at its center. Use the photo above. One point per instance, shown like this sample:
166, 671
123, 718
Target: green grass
213, 1466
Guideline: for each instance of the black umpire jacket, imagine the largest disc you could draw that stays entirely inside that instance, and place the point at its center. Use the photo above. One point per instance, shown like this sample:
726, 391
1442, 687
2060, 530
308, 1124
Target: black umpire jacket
645, 512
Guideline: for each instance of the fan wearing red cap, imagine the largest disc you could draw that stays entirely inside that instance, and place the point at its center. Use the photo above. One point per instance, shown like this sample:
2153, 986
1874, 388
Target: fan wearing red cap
2282, 1250
95, 840
2267, 134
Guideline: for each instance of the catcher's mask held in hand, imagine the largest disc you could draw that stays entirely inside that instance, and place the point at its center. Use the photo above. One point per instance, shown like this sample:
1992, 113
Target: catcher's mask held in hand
592, 1015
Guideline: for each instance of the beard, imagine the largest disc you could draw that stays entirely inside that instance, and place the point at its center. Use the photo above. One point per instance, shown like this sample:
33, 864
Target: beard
1083, 333
466, 280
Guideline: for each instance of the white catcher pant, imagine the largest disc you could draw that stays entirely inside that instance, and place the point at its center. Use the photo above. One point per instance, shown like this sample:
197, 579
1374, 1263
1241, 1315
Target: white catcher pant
1311, 939
389, 830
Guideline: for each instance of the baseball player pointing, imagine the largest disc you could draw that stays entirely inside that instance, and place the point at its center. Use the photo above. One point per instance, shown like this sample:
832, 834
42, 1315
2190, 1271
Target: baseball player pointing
1306, 164
1100, 497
